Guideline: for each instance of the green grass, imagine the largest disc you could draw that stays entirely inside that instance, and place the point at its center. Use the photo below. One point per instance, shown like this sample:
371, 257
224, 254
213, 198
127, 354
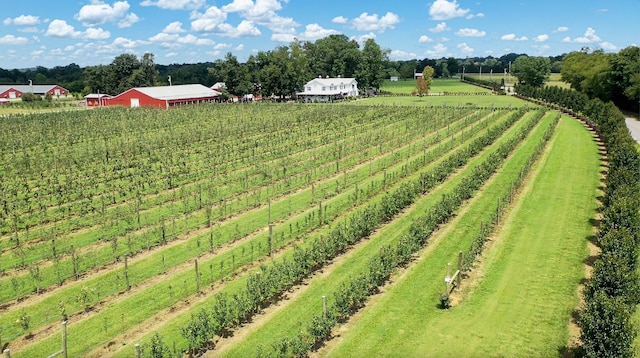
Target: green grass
438, 85
523, 302
483, 101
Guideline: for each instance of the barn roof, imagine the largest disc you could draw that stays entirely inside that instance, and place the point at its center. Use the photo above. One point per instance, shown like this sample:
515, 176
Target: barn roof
178, 92
27, 88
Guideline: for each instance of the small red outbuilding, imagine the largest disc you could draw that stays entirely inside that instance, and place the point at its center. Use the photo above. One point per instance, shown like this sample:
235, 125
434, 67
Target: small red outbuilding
163, 96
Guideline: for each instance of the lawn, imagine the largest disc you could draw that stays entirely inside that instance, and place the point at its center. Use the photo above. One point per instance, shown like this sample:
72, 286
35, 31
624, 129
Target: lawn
439, 85
521, 303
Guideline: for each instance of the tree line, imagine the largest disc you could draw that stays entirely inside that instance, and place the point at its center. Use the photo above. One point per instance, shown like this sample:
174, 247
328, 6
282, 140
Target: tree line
278, 72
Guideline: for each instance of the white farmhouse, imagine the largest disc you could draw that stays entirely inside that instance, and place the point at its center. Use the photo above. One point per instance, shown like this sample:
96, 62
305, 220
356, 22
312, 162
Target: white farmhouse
329, 88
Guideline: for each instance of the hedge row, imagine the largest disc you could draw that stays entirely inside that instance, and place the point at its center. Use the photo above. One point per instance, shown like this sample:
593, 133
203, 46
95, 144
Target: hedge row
612, 293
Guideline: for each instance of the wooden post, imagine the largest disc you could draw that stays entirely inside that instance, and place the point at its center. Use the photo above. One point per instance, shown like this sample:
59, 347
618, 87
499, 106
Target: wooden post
320, 213
197, 278
7, 353
126, 271
64, 339
269, 209
74, 263
324, 306
459, 278
270, 239
138, 353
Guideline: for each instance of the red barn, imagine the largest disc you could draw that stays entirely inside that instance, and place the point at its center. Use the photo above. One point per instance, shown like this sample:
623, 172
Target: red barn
96, 99
10, 92
164, 96
16, 91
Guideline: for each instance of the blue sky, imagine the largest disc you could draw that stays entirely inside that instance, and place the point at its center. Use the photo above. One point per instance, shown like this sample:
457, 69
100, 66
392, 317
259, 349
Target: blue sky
89, 32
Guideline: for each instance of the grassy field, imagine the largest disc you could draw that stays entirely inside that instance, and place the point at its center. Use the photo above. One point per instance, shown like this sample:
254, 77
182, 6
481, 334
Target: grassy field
524, 293
439, 85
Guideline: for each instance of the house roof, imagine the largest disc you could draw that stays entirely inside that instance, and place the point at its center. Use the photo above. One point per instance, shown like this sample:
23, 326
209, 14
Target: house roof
27, 88
178, 92
219, 85
331, 81
96, 95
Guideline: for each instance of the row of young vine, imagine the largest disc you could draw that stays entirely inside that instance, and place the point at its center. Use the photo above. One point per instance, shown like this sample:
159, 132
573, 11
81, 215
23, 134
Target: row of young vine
267, 286
613, 291
415, 156
352, 296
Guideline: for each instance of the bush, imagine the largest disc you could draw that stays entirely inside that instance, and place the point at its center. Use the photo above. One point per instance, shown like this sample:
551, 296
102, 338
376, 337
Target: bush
30, 97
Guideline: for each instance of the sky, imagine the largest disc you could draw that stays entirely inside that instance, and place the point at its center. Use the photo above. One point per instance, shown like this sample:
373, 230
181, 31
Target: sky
91, 32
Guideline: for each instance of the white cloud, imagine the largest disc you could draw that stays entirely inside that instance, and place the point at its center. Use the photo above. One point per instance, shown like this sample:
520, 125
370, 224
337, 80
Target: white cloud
445, 10
13, 40
512, 37
588, 37
561, 29
471, 16
125, 43
60, 28
175, 4
425, 39
608, 46
30, 29
363, 38
542, 48
465, 49
439, 50
96, 34
283, 37
239, 47
171, 54
262, 12
128, 21
340, 20
174, 28
541, 38
23, 20
470, 33
399, 55
168, 40
366, 22
98, 13
441, 27
221, 46
209, 21
37, 52
315, 31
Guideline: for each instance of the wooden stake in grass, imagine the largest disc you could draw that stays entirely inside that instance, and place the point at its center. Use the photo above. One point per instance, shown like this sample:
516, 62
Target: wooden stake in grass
74, 262
197, 278
126, 271
270, 239
324, 306
320, 213
459, 277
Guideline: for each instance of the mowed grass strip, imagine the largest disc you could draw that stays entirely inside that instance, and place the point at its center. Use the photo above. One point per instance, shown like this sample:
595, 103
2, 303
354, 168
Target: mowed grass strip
523, 302
299, 310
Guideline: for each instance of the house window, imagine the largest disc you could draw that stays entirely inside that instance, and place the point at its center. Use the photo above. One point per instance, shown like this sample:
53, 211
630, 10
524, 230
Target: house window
324, 88
309, 89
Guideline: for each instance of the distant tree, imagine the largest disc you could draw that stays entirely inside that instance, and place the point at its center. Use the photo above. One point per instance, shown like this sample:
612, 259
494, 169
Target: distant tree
334, 55
234, 75
30, 97
423, 84
371, 70
533, 71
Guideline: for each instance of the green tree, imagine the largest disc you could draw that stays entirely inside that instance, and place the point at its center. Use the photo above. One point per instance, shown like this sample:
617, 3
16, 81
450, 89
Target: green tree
421, 87
333, 56
533, 71
607, 330
371, 69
